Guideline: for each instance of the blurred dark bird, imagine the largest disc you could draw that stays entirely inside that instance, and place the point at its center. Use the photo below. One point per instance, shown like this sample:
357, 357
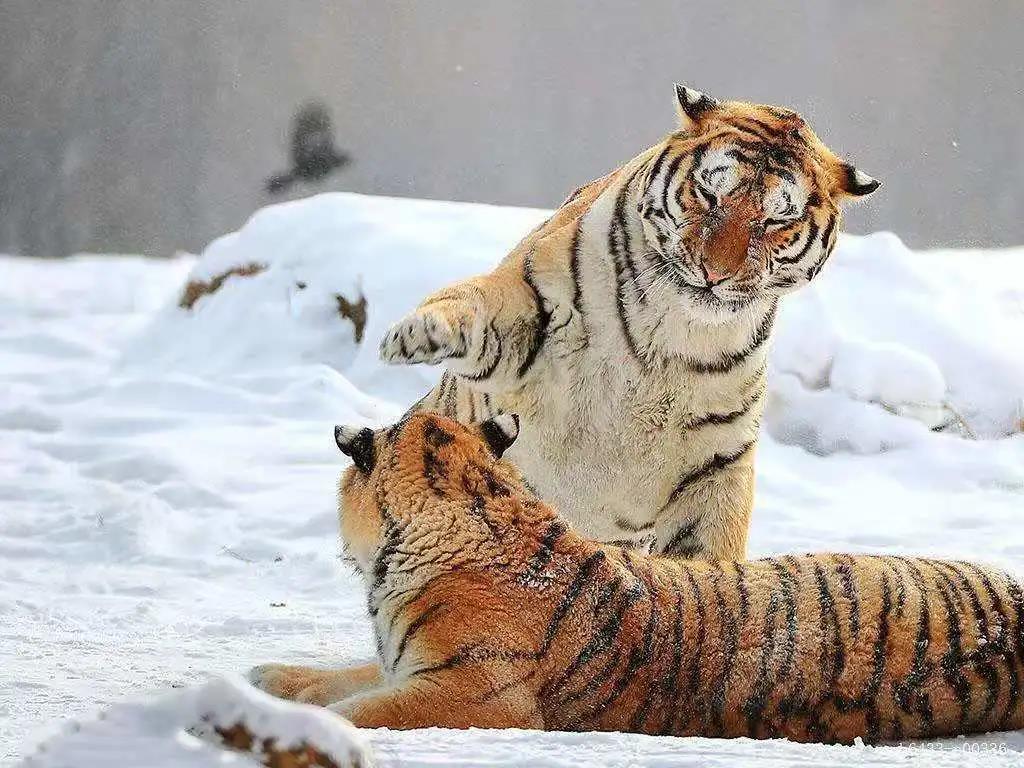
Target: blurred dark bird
313, 154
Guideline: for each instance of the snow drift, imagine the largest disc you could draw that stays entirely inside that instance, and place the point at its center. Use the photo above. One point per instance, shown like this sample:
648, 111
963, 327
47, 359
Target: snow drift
190, 728
885, 345
168, 474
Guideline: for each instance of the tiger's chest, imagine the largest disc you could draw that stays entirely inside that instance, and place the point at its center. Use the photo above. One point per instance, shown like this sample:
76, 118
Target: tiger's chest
606, 439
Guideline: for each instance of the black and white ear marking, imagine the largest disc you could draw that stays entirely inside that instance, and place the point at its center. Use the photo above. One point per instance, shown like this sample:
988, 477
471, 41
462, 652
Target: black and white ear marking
692, 103
858, 183
358, 444
500, 432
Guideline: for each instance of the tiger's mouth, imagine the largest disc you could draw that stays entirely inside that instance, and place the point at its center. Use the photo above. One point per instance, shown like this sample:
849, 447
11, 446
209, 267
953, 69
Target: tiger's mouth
716, 298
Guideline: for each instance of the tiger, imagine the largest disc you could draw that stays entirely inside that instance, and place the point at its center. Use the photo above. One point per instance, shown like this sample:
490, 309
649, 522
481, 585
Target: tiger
490, 611
630, 330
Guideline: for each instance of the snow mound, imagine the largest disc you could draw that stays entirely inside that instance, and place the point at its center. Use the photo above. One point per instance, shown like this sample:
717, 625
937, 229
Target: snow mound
317, 258
187, 728
168, 476
885, 345
929, 337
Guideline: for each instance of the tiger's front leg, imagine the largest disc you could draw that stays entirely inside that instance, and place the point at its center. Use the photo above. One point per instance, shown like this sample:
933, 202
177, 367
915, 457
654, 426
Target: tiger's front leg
487, 330
443, 700
315, 686
709, 518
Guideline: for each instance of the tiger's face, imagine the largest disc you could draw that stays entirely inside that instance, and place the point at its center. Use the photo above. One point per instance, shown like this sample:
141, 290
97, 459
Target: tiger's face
743, 203
397, 470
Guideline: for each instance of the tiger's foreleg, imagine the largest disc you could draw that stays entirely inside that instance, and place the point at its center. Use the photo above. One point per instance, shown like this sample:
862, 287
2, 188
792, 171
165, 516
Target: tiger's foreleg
487, 330
443, 700
709, 518
313, 685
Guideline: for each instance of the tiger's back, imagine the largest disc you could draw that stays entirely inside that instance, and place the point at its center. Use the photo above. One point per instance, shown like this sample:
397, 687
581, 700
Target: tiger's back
811, 648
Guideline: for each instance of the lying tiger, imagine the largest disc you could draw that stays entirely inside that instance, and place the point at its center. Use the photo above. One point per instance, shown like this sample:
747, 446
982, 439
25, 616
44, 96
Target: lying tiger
630, 330
490, 611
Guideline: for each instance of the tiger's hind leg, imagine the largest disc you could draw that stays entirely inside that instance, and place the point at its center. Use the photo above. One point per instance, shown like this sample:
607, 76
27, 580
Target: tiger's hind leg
313, 685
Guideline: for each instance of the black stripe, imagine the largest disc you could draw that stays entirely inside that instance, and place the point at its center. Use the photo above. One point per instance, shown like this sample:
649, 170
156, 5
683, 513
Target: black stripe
601, 675
690, 692
450, 401
727, 363
951, 662
1016, 594
782, 173
573, 195
572, 594
601, 641
981, 664
670, 174
812, 236
479, 509
730, 635
680, 545
655, 166
720, 419
540, 559
789, 587
909, 693
742, 590
574, 269
542, 319
869, 699
712, 466
826, 249
638, 658
671, 680
645, 657
735, 154
829, 625
474, 653
628, 525
498, 690
493, 365
414, 626
769, 133
845, 572
1000, 646
754, 706
621, 263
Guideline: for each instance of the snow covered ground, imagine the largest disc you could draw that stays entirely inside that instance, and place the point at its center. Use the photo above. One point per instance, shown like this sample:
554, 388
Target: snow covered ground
167, 476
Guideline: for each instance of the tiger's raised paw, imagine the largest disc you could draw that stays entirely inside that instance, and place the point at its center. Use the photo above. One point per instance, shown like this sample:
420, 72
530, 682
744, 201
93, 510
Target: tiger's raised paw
425, 336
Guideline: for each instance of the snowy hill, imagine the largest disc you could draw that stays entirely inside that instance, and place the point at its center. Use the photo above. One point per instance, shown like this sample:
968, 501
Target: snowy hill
167, 472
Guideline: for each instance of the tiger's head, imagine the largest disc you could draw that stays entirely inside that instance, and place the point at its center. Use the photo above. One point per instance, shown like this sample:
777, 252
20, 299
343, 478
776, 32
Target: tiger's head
743, 202
423, 475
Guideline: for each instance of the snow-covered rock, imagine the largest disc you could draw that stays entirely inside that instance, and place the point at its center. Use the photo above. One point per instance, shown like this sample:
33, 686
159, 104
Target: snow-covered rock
189, 728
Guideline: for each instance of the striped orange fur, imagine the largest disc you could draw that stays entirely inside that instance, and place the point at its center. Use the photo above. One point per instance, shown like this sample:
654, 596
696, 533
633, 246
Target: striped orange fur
630, 330
490, 611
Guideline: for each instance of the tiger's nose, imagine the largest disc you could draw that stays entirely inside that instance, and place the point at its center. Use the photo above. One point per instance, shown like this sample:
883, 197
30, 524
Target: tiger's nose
713, 276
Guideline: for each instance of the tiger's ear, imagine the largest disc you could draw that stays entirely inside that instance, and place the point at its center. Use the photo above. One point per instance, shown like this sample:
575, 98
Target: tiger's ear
853, 181
692, 105
358, 445
500, 432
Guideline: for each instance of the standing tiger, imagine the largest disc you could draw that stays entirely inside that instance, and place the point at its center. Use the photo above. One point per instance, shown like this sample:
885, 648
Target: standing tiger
489, 611
630, 330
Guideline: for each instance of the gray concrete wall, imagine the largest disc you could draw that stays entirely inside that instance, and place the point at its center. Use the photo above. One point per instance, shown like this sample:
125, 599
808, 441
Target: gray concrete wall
150, 125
